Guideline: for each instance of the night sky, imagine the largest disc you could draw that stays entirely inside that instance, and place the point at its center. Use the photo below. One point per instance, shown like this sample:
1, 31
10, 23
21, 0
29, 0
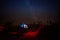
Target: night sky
28, 10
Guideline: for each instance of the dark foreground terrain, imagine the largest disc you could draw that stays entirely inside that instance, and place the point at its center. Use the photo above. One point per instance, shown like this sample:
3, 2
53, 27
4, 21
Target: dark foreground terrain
49, 32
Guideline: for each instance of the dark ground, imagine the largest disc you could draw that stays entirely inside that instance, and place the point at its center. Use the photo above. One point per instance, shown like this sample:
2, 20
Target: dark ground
48, 33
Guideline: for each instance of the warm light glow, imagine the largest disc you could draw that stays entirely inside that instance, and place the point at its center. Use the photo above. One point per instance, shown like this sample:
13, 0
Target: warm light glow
30, 34
13, 32
1, 28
